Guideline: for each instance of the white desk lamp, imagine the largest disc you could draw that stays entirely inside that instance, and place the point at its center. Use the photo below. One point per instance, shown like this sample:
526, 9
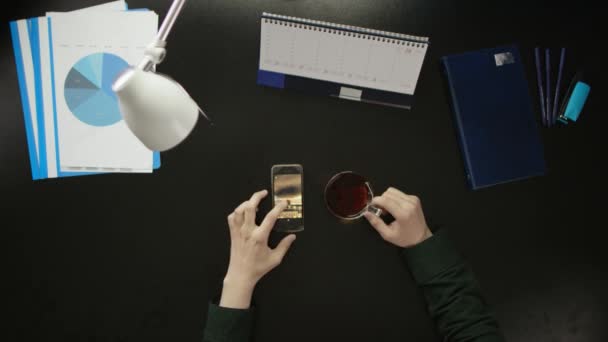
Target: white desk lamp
156, 108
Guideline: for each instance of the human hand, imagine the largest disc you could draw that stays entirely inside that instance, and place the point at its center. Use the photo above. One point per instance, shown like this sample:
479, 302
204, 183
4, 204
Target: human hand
409, 227
250, 256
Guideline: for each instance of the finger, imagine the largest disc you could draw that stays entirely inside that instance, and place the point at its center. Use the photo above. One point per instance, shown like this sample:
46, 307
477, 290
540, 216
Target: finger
415, 200
272, 217
283, 247
402, 195
252, 206
239, 213
230, 219
397, 193
378, 225
395, 197
388, 204
240, 209
232, 225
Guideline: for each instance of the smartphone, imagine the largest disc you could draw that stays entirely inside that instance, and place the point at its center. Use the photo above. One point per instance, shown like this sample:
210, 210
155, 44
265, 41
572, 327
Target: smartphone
288, 185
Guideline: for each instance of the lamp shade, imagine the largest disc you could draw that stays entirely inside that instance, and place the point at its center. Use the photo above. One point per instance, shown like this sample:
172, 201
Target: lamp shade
156, 109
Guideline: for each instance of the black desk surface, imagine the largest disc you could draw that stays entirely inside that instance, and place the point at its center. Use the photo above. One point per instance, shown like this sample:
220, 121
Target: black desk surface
137, 257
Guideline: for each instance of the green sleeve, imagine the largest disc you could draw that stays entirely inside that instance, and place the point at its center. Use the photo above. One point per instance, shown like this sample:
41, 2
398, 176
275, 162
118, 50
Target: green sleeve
228, 325
453, 296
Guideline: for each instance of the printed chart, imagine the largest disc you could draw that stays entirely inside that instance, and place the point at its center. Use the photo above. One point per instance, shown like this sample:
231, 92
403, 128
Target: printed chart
88, 89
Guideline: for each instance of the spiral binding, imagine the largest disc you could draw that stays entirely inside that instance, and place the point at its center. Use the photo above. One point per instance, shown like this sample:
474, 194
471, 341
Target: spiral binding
346, 30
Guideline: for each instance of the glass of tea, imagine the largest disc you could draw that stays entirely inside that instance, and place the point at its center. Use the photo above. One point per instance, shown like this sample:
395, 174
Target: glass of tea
348, 196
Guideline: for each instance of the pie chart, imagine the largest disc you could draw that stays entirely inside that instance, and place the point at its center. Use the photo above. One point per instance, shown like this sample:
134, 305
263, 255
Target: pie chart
88, 89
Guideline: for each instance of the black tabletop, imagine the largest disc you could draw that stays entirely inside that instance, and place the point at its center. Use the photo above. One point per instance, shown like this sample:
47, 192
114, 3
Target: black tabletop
138, 257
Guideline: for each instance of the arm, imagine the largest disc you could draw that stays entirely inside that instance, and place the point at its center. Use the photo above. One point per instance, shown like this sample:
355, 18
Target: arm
453, 296
250, 260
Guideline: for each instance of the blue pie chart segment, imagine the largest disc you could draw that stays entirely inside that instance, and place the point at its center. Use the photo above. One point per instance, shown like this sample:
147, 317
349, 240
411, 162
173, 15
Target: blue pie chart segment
88, 89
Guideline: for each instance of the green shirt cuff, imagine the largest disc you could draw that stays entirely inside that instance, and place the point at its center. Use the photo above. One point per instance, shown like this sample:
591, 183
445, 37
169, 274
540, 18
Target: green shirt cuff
225, 324
431, 257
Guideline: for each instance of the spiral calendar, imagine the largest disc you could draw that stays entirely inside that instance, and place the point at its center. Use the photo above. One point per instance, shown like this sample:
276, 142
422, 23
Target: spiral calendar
345, 61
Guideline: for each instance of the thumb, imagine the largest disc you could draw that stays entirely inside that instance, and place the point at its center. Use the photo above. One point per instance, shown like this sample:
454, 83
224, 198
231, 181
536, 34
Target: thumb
378, 225
283, 246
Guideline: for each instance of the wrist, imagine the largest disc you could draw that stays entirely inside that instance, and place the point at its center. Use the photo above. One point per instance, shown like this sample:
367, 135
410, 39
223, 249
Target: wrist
427, 234
424, 235
236, 276
237, 292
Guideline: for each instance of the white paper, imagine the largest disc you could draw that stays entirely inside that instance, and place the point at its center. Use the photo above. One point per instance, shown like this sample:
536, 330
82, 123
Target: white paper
124, 34
31, 82
28, 66
29, 78
45, 69
332, 55
47, 98
114, 5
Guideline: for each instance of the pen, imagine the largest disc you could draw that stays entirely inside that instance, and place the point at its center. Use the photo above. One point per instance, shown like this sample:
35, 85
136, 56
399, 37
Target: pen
548, 85
539, 80
557, 86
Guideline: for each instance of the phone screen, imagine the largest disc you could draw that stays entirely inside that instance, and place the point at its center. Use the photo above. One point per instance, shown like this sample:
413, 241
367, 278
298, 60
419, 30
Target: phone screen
288, 187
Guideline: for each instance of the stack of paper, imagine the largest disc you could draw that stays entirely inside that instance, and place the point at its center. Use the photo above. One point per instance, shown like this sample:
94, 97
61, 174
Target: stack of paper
66, 63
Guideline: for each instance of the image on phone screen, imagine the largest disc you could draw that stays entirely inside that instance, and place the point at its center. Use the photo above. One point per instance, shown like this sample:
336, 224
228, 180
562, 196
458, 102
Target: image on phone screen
288, 187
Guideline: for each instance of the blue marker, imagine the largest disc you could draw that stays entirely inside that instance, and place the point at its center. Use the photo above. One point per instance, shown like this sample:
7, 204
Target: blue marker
539, 80
548, 85
557, 86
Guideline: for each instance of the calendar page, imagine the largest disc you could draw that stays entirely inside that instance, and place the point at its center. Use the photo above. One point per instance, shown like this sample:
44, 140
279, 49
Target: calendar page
342, 54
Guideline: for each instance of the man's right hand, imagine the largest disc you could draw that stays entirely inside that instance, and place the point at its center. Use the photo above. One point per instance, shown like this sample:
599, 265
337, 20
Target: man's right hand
409, 227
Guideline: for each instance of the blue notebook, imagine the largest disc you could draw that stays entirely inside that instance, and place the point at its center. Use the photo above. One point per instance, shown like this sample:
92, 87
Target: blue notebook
498, 135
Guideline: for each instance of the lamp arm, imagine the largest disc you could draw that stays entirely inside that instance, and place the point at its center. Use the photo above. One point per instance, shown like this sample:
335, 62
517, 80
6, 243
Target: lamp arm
170, 19
155, 52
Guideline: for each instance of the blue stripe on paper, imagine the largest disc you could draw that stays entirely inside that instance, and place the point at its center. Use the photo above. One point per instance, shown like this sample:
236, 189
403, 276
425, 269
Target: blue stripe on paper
24, 101
34, 35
